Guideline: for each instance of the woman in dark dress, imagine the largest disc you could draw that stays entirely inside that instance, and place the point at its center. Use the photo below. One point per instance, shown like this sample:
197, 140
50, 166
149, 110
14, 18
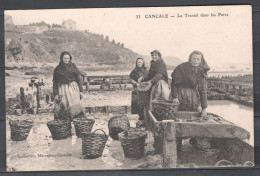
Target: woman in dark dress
158, 78
67, 87
140, 71
189, 87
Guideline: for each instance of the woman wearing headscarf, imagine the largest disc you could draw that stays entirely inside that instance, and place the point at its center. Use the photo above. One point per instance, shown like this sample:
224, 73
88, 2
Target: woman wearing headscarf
189, 86
139, 71
67, 87
158, 78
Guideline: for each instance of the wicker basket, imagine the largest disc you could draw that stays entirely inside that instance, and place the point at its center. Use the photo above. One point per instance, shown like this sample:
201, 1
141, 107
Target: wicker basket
83, 125
164, 110
60, 129
132, 142
20, 129
144, 86
93, 144
116, 125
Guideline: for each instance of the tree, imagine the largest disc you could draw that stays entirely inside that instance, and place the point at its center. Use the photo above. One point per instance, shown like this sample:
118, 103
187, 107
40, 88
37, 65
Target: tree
56, 26
122, 45
107, 38
15, 48
113, 41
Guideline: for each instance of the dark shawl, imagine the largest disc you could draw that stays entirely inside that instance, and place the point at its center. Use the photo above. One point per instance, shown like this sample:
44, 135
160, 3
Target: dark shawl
138, 72
158, 67
64, 74
187, 76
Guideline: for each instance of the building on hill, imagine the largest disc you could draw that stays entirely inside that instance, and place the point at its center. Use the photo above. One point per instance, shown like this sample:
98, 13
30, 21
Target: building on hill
69, 24
8, 21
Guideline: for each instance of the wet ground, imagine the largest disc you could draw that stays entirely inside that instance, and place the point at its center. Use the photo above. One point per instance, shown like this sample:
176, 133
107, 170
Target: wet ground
40, 152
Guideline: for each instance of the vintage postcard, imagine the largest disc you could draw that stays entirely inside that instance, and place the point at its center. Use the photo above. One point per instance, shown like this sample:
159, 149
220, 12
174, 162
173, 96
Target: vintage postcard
129, 88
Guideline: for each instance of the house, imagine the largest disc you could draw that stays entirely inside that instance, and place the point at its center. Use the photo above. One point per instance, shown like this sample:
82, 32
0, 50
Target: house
69, 24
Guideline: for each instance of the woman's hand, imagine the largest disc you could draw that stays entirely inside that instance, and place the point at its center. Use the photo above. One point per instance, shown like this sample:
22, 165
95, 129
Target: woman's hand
204, 112
140, 79
149, 84
56, 97
81, 94
176, 100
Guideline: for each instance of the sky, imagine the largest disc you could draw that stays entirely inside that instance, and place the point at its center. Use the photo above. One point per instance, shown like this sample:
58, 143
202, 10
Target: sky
222, 39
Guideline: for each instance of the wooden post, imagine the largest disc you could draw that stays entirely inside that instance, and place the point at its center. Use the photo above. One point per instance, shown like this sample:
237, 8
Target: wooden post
108, 110
22, 98
169, 144
34, 103
92, 110
47, 98
38, 95
110, 84
87, 86
146, 117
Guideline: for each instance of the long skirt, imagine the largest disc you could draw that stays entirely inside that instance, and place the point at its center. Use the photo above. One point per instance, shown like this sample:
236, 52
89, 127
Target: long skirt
70, 104
134, 102
138, 100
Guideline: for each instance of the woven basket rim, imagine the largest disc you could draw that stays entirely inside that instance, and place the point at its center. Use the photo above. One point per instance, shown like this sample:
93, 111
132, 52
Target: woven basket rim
141, 134
82, 119
58, 122
120, 117
20, 122
94, 134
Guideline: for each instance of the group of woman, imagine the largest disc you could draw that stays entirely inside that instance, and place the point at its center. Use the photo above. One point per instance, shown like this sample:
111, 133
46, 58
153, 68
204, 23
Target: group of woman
188, 86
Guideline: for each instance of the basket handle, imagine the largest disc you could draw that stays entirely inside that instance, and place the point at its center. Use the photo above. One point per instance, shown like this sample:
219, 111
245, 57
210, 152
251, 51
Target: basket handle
99, 130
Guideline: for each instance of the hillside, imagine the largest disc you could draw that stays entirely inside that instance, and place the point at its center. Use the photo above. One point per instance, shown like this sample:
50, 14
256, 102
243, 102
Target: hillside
43, 44
86, 48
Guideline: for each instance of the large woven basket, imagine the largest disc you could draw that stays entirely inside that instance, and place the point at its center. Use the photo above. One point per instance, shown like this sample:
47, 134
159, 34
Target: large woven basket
20, 129
116, 125
93, 144
132, 142
164, 110
83, 125
60, 129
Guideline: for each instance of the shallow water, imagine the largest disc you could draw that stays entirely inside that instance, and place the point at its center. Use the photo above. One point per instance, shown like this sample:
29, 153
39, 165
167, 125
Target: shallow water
40, 152
240, 115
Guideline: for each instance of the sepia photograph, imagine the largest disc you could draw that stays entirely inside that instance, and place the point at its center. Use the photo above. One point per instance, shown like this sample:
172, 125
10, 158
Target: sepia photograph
129, 88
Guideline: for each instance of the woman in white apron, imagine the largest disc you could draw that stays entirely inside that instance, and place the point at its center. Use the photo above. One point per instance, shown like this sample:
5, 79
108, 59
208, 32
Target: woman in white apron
158, 78
67, 89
